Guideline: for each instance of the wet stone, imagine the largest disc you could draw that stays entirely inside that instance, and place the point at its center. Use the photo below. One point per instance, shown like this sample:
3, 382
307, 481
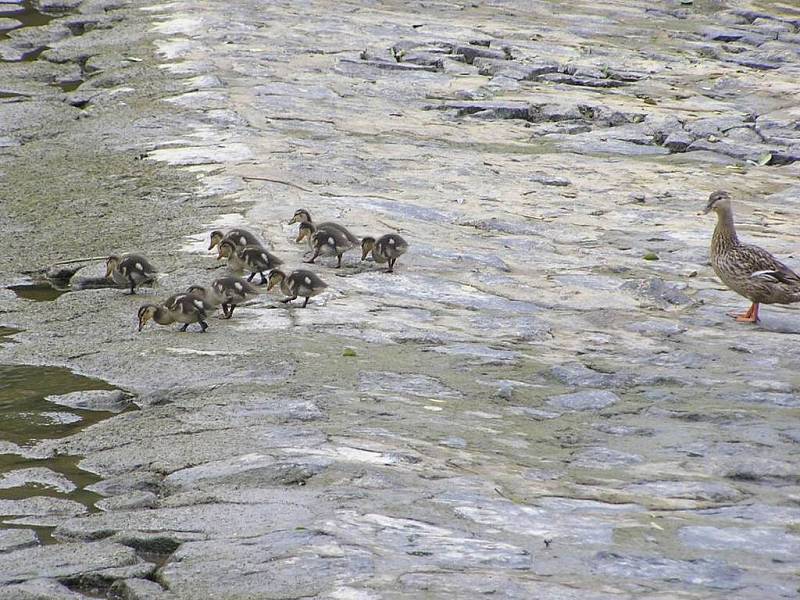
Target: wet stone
398, 383
253, 470
440, 546
707, 491
276, 565
584, 400
201, 520
104, 400
605, 458
126, 483
131, 501
41, 506
39, 476
708, 573
64, 561
139, 589
772, 542
39, 589
580, 375
13, 539
657, 292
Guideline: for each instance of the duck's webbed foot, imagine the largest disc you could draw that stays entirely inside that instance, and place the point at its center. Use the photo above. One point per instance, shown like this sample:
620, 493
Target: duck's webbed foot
751, 316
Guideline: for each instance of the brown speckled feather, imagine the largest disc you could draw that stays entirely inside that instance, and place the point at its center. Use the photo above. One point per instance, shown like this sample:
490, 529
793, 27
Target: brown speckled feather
749, 270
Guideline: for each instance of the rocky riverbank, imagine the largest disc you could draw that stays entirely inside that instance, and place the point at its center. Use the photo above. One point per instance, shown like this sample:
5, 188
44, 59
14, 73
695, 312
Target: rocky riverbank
545, 400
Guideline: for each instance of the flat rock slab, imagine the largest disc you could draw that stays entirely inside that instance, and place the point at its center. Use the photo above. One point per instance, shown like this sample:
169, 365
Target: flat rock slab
284, 564
585, 400
39, 589
64, 561
41, 506
13, 539
200, 521
39, 476
103, 400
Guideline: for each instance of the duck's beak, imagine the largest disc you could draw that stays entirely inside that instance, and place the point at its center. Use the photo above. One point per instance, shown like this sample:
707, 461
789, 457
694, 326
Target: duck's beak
220, 257
293, 220
211, 246
364, 254
705, 211
298, 239
141, 324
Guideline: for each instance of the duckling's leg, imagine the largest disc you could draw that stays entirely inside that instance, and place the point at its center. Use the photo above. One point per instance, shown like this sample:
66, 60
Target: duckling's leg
203, 326
751, 316
226, 311
307, 297
313, 258
133, 285
263, 279
253, 274
230, 310
185, 325
287, 300
391, 265
338, 266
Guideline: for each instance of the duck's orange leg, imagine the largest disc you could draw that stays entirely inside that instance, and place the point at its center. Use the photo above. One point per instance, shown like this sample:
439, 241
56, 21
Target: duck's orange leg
751, 316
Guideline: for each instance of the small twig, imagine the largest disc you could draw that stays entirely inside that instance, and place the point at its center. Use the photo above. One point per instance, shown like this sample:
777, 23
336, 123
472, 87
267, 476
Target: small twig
289, 183
503, 495
385, 224
329, 121
353, 195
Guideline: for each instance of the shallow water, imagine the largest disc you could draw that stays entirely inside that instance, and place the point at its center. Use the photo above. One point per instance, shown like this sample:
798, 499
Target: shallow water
38, 292
27, 417
29, 17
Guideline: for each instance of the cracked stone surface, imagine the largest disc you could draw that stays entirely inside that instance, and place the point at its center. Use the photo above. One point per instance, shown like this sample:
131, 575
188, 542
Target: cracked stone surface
546, 399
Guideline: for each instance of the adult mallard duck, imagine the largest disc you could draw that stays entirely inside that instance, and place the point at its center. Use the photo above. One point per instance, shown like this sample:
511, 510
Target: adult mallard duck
227, 292
298, 283
180, 308
325, 241
240, 238
129, 270
748, 270
387, 248
301, 215
253, 258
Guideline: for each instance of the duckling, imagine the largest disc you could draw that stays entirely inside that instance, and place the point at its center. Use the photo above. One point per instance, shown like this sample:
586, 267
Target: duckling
297, 283
388, 248
181, 308
748, 270
226, 291
129, 270
240, 238
255, 258
324, 241
301, 215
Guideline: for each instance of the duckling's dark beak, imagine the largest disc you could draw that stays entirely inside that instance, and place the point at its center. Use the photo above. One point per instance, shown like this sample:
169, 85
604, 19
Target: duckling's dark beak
293, 220
141, 324
298, 239
364, 255
220, 257
211, 247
